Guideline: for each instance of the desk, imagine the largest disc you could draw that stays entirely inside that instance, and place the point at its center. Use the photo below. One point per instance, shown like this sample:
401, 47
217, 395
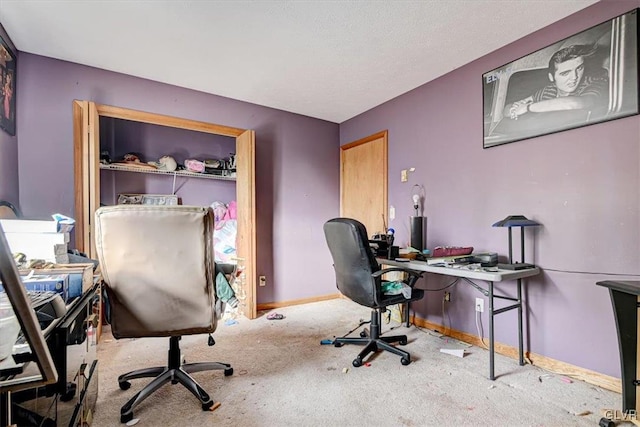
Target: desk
625, 297
487, 276
71, 400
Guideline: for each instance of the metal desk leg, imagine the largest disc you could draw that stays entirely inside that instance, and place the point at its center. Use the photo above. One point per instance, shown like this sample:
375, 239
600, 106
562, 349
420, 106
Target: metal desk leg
491, 337
5, 409
520, 340
407, 308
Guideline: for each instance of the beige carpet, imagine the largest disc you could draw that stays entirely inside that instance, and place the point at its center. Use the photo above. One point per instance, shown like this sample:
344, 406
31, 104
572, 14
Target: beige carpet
284, 377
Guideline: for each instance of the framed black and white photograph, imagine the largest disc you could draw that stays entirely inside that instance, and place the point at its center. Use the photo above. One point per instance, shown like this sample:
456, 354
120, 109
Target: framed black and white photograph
7, 88
587, 78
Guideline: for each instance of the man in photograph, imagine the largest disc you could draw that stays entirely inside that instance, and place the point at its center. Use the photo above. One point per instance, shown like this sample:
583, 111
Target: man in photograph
573, 85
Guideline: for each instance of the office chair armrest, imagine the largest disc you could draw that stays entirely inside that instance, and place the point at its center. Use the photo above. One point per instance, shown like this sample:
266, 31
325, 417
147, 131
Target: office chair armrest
415, 274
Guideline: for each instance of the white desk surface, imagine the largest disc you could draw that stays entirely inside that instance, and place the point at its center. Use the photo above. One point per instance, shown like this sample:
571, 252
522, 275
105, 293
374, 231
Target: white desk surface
489, 276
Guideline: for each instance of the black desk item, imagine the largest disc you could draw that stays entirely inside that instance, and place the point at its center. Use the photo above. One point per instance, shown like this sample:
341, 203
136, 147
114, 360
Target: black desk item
380, 247
625, 297
417, 232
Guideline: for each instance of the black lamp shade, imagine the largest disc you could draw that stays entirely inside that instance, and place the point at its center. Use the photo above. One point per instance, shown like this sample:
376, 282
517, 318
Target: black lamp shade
516, 221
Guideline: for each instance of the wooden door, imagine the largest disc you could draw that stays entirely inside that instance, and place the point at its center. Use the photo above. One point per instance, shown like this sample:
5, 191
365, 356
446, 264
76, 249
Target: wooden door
363, 182
246, 237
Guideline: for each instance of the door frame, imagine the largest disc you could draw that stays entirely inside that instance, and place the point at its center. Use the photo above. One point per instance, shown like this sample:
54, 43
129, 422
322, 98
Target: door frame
86, 117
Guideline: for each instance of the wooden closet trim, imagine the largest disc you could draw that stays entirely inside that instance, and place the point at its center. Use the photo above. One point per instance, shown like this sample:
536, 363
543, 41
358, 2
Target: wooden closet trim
170, 121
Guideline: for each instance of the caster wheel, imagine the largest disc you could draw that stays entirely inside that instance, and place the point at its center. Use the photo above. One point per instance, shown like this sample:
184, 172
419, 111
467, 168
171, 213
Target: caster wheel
228, 372
126, 385
125, 418
207, 406
363, 334
405, 361
402, 342
357, 362
337, 344
69, 393
606, 422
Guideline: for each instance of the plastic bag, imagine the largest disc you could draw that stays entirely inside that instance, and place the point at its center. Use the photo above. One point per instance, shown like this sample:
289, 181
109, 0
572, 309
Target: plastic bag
396, 288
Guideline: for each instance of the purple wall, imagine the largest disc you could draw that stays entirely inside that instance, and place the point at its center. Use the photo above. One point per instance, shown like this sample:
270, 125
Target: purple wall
8, 153
9, 168
581, 184
297, 162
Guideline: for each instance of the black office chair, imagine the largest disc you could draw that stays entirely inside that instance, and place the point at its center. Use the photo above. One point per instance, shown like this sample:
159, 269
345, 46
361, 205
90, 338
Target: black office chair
359, 278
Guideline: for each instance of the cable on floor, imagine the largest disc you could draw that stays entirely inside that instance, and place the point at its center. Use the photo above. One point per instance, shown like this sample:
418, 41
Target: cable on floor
480, 331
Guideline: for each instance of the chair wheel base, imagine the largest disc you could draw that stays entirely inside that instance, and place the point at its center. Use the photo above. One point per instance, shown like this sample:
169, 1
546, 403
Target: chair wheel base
207, 406
405, 361
228, 372
357, 362
69, 393
125, 385
606, 422
125, 418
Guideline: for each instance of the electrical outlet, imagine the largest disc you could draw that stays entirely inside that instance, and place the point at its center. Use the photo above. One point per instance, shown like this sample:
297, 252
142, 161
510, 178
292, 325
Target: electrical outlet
263, 280
480, 305
447, 296
404, 175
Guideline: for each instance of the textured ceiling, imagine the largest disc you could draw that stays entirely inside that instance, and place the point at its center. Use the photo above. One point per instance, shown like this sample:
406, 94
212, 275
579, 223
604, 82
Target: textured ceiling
330, 60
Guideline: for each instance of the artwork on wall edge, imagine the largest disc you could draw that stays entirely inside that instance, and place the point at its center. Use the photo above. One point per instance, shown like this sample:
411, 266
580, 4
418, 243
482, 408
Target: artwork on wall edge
7, 87
588, 78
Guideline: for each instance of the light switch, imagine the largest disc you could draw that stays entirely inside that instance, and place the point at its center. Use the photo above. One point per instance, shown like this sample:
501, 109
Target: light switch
392, 212
403, 175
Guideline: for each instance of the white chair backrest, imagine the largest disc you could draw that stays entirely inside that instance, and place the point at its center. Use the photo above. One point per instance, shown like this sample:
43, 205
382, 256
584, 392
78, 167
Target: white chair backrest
157, 262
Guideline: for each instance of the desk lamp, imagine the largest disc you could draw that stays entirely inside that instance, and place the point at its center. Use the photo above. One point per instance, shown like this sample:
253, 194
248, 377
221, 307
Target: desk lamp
510, 222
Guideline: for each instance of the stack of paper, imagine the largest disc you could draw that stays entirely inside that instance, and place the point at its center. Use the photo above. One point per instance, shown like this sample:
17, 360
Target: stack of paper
38, 239
454, 259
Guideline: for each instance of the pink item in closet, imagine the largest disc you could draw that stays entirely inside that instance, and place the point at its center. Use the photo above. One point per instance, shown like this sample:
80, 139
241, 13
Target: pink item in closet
193, 165
232, 210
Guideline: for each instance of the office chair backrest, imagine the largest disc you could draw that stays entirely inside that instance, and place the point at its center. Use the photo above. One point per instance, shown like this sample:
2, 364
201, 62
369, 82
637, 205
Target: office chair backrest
353, 260
157, 263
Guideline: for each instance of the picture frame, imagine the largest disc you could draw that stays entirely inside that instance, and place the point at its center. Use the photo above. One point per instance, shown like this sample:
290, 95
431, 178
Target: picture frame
588, 78
7, 87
